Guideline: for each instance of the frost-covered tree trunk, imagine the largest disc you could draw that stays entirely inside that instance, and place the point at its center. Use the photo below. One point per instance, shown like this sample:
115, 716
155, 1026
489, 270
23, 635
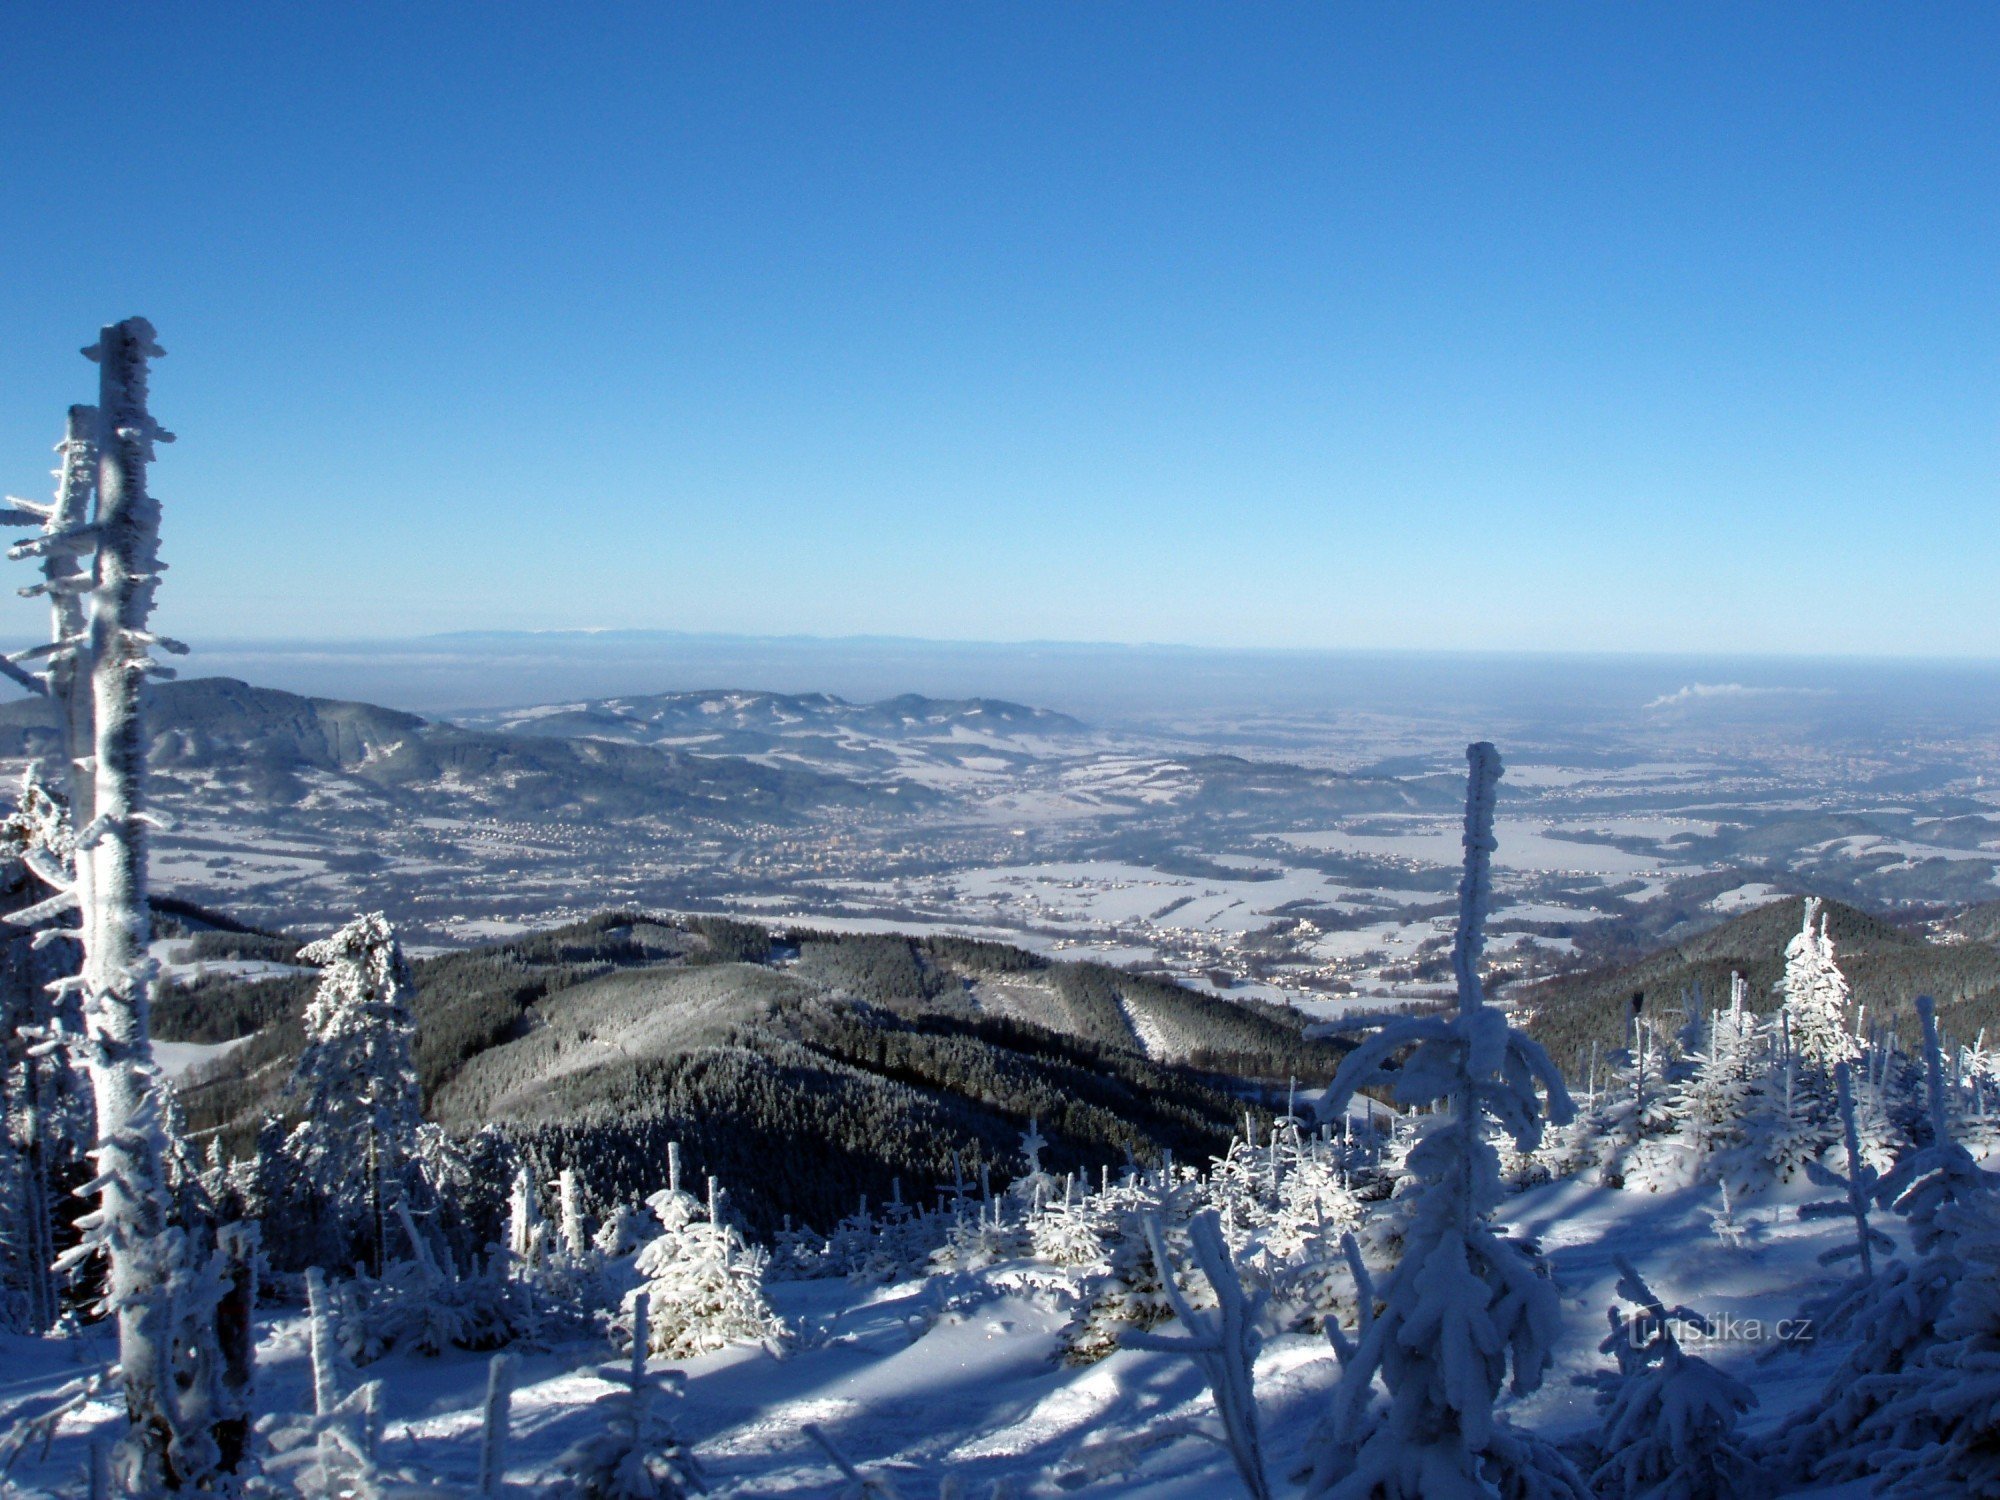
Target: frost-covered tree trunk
1464, 1306
181, 1306
1225, 1348
185, 1392
130, 1222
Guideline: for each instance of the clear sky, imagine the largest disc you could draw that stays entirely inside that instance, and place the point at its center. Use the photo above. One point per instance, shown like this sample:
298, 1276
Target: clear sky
1553, 326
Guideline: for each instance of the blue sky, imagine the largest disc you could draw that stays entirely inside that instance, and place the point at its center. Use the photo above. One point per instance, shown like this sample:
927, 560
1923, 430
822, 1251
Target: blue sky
1535, 327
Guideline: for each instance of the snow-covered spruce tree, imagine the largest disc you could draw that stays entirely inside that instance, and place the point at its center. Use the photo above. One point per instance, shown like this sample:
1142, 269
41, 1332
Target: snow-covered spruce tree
1070, 1231
704, 1282
1316, 1209
1894, 1317
1035, 1186
1463, 1304
1937, 1428
1646, 1130
1816, 995
1788, 1125
1126, 1289
1670, 1418
355, 1088
1714, 1098
186, 1395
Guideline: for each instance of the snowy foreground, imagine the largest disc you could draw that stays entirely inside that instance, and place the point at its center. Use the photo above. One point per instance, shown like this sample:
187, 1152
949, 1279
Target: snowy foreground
958, 1377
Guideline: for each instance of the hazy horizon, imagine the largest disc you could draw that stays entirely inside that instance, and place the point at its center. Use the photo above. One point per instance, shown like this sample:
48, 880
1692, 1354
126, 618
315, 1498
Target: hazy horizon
1149, 684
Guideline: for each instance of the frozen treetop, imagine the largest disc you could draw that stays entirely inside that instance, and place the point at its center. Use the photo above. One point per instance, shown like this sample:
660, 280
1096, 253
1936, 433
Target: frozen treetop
1475, 887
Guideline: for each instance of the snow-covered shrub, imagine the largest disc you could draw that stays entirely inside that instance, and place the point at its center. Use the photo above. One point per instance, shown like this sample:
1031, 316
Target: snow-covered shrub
1671, 1419
624, 1230
1464, 1305
417, 1306
1301, 1255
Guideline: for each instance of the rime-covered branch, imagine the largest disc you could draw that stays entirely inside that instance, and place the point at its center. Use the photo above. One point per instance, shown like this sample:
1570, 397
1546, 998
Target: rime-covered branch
1224, 1347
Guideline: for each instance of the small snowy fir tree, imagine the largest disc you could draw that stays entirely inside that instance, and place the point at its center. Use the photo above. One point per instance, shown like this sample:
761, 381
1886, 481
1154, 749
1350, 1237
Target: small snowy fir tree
1816, 996
1463, 1304
1655, 1155
1671, 1419
356, 1088
1786, 1127
1315, 1211
1071, 1231
705, 1284
1035, 1186
1937, 1429
1714, 1099
984, 1234
631, 1452
1125, 1290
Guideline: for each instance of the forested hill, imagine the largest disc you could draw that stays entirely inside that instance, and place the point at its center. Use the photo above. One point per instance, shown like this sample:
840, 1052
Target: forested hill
1886, 966
218, 739
803, 1073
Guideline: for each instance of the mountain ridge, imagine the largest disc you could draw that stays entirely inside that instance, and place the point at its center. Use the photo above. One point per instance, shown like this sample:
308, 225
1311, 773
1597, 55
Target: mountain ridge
276, 747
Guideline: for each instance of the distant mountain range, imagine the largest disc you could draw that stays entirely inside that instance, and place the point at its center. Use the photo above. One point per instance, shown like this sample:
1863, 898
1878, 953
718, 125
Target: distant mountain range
815, 729
218, 741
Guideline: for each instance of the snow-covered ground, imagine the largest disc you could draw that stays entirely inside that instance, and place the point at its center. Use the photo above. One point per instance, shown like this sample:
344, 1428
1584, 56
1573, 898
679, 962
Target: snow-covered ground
960, 1377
